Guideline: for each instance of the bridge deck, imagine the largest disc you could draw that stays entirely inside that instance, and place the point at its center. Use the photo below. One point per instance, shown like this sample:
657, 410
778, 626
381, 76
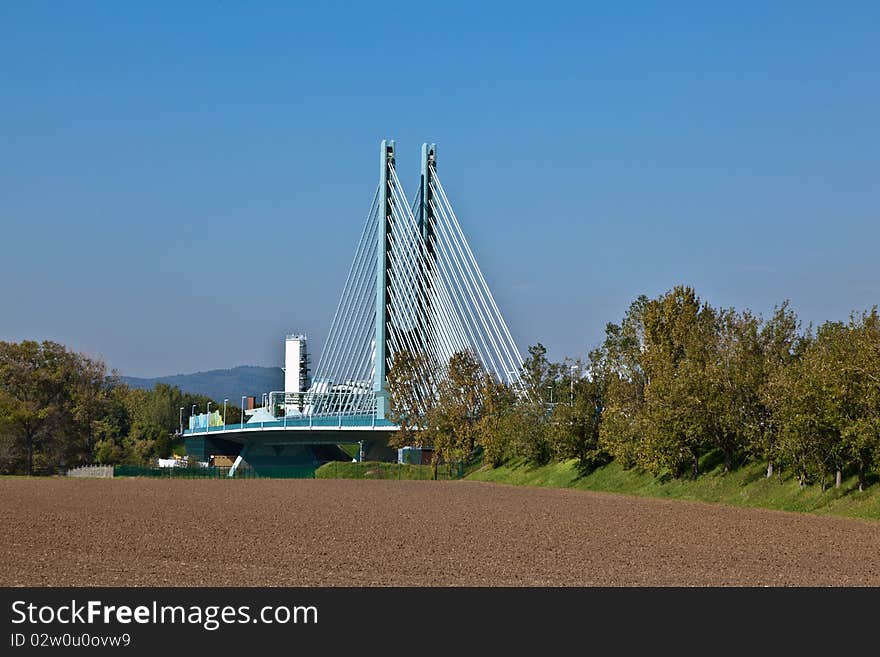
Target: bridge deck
304, 423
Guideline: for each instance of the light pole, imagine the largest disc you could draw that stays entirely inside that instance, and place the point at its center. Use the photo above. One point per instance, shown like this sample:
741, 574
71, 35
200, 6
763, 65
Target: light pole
208, 419
192, 413
181, 420
550, 388
241, 419
224, 414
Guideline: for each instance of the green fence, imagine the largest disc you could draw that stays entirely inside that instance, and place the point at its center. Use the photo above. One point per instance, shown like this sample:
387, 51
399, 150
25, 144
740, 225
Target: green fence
381, 470
243, 472
330, 470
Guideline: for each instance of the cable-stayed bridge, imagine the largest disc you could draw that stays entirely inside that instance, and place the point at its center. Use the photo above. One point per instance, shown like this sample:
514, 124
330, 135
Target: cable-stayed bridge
414, 286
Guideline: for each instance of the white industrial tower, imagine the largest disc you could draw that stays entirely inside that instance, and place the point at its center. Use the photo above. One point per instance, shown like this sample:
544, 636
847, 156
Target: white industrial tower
296, 370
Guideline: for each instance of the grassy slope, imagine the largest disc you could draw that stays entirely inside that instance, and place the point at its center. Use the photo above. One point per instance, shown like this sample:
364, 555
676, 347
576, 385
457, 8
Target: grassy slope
376, 470
746, 486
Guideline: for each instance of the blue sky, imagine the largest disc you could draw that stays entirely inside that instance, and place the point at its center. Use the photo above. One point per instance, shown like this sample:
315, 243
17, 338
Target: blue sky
183, 183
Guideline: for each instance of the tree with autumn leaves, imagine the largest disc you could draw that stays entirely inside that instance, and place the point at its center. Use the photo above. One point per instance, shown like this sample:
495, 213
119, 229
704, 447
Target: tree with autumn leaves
437, 408
677, 382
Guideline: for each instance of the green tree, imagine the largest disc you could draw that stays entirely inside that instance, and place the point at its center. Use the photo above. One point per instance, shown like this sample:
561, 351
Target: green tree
573, 430
452, 423
110, 430
412, 384
497, 424
861, 428
539, 374
618, 363
441, 409
574, 425
138, 426
781, 346
528, 417
734, 378
679, 350
49, 399
812, 407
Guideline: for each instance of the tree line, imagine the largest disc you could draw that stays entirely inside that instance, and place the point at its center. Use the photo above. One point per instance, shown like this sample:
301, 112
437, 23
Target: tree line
675, 384
59, 409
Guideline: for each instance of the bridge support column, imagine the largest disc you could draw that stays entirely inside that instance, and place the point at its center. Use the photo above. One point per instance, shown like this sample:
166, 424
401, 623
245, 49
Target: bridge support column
426, 212
427, 224
238, 460
386, 165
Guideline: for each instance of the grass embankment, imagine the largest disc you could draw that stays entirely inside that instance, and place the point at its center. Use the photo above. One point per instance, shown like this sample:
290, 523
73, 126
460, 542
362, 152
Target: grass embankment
747, 486
379, 470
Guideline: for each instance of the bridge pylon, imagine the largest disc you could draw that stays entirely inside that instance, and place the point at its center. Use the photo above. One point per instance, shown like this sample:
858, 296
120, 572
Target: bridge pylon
383, 276
414, 287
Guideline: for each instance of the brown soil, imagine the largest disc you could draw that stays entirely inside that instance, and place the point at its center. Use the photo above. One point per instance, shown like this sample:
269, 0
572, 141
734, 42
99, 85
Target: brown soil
342, 532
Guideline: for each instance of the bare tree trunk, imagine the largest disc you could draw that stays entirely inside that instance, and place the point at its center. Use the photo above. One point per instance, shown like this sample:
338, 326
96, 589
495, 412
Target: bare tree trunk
801, 480
30, 455
838, 478
695, 465
861, 477
769, 469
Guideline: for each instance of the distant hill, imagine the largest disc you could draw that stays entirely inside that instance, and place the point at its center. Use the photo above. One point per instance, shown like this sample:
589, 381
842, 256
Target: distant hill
219, 384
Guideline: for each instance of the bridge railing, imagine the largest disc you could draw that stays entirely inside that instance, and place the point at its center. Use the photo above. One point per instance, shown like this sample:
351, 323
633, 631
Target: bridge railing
302, 422
354, 406
347, 399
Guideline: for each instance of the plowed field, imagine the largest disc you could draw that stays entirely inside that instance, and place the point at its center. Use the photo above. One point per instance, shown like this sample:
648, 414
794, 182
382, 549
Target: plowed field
377, 533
